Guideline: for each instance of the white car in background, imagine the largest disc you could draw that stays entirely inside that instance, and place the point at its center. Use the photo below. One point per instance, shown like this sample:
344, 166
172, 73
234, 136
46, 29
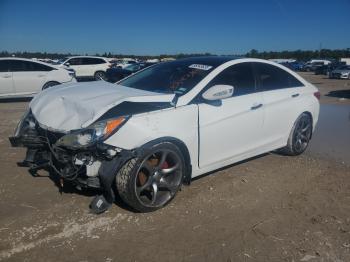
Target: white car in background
87, 66
122, 63
25, 77
159, 128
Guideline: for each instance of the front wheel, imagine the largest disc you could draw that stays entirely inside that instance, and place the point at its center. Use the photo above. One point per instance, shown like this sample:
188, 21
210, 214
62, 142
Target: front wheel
100, 75
299, 137
151, 181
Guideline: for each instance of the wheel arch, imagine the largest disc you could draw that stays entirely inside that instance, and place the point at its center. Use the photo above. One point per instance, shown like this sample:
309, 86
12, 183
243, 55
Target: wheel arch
312, 121
99, 70
183, 148
48, 82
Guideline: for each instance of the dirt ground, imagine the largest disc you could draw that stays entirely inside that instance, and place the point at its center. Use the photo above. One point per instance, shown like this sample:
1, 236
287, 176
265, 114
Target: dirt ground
271, 208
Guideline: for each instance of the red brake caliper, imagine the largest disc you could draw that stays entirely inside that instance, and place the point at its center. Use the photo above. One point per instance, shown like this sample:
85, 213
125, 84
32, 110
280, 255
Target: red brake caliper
165, 165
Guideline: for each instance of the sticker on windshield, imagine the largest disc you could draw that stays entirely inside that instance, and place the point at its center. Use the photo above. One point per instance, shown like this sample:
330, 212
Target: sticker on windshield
201, 67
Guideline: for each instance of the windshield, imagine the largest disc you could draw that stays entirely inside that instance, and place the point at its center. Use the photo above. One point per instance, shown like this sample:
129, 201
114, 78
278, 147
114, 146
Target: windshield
169, 77
132, 67
61, 61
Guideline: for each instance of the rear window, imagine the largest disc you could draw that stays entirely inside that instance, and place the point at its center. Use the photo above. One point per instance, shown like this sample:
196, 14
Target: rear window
75, 61
271, 77
27, 66
93, 61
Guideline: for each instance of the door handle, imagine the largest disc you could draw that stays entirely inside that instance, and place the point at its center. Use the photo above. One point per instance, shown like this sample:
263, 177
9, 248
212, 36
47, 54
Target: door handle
254, 107
295, 95
6, 76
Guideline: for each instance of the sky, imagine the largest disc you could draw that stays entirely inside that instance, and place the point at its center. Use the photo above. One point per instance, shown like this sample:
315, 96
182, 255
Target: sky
170, 27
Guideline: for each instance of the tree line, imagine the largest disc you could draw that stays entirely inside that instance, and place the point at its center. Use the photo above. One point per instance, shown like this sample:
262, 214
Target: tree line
43, 55
302, 55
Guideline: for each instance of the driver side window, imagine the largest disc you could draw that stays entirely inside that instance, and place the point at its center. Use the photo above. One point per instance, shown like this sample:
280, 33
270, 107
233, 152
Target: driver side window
240, 76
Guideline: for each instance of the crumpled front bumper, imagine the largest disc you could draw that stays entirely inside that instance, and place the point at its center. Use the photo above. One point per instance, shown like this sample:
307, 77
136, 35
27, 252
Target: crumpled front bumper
93, 167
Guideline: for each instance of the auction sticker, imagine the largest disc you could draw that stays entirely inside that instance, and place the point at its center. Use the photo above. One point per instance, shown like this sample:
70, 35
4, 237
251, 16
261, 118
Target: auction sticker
201, 67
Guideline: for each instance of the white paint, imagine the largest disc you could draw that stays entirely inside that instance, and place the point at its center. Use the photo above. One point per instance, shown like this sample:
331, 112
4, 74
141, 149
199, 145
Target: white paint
215, 135
74, 106
27, 83
346, 60
228, 133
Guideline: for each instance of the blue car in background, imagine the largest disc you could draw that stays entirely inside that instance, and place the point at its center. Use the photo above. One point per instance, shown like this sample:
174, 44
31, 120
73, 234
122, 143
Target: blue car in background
295, 66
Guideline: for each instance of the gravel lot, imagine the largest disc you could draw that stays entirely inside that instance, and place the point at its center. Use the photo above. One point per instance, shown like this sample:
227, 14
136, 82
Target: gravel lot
271, 208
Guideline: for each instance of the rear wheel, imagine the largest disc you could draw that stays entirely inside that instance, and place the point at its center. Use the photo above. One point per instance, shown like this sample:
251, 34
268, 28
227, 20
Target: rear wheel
299, 137
100, 75
151, 181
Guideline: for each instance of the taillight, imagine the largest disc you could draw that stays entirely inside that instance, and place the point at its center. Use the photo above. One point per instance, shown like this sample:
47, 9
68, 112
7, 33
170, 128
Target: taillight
317, 95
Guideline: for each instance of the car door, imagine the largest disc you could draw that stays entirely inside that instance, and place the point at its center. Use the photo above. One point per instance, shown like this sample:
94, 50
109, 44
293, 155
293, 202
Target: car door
89, 66
232, 127
28, 77
281, 94
6, 81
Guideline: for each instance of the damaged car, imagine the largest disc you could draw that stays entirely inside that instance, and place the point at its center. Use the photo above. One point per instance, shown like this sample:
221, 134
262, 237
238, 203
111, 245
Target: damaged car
147, 135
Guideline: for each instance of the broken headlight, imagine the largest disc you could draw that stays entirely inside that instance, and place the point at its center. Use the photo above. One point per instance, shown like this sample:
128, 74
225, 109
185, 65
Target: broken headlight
96, 132
26, 122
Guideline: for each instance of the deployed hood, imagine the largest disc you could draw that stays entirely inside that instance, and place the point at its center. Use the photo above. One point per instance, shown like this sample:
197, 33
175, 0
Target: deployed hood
73, 106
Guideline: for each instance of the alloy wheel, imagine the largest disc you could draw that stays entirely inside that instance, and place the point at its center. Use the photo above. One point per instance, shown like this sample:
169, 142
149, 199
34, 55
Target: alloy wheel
158, 178
100, 76
302, 134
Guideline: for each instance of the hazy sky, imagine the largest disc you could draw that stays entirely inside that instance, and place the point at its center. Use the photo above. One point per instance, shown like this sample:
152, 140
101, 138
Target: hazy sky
158, 27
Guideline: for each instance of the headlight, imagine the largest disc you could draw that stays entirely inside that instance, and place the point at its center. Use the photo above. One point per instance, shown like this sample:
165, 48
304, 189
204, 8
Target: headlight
92, 134
27, 121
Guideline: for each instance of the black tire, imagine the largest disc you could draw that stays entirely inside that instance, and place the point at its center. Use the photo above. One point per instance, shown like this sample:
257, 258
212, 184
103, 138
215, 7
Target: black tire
144, 196
49, 84
299, 136
100, 75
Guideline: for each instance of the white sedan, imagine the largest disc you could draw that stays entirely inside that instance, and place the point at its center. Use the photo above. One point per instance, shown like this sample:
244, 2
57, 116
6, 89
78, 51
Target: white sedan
25, 77
167, 124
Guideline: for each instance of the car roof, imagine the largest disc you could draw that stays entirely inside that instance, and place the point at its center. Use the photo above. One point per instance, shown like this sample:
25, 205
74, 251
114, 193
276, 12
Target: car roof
207, 60
29, 60
18, 58
86, 56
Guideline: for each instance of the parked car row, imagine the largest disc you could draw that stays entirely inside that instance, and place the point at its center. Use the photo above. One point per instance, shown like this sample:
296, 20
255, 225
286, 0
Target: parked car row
116, 73
342, 72
333, 69
25, 77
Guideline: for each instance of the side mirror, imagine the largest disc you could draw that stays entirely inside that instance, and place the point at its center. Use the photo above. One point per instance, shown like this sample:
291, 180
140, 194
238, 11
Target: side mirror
218, 92
67, 64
